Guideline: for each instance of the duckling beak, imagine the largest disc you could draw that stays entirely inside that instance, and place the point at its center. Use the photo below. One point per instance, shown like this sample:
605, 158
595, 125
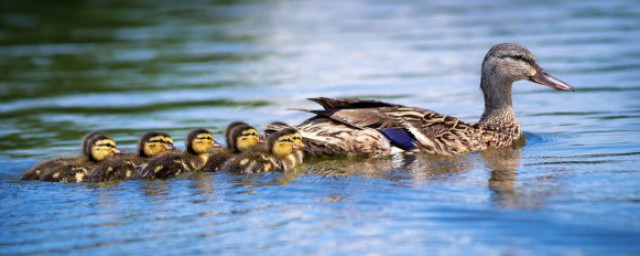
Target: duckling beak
216, 145
117, 152
296, 147
173, 148
543, 78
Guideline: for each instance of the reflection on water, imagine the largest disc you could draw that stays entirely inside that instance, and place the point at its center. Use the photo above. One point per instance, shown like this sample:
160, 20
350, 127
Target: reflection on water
132, 66
503, 164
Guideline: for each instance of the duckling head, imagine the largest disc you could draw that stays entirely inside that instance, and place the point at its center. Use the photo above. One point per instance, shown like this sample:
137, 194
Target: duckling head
507, 63
242, 138
230, 127
283, 143
98, 146
155, 143
200, 141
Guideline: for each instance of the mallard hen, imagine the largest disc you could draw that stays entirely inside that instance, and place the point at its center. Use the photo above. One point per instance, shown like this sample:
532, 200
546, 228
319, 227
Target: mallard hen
368, 128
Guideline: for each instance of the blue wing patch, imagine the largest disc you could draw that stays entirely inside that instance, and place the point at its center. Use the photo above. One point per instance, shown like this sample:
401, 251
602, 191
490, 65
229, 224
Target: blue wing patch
399, 137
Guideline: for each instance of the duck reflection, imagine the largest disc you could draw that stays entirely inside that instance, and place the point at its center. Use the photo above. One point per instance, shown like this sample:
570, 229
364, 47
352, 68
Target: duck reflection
400, 167
503, 164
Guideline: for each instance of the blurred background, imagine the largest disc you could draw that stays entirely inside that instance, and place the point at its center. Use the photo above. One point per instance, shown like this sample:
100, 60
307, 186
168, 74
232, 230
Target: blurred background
126, 67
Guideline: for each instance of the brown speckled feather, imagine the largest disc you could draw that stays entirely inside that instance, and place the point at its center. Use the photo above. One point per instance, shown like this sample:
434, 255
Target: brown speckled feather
345, 129
170, 165
121, 167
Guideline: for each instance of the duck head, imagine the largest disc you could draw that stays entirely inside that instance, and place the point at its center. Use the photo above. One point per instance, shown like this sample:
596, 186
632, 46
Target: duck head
97, 146
507, 63
230, 128
242, 138
283, 143
155, 143
199, 141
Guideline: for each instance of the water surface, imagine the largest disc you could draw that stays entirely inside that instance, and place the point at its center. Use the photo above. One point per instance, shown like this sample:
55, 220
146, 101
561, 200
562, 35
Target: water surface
132, 66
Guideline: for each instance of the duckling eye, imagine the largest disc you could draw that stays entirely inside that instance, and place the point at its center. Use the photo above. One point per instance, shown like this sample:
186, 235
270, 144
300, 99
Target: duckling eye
106, 145
286, 140
205, 138
155, 141
250, 134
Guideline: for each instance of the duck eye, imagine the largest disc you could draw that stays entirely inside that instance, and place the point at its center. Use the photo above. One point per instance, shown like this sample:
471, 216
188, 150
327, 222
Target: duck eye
106, 145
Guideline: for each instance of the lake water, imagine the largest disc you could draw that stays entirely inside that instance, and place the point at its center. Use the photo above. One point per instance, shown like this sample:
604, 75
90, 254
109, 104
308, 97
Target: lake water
127, 67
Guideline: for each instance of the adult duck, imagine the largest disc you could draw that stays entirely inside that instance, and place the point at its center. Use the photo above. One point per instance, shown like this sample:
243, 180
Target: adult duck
367, 128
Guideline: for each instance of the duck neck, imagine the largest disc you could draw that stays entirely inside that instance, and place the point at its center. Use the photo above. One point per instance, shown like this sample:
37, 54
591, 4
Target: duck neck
498, 110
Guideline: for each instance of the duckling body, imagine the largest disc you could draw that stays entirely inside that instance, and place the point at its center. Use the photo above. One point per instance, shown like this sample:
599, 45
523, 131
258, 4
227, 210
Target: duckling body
121, 168
97, 147
168, 165
124, 166
280, 156
46, 166
68, 173
252, 162
240, 137
367, 128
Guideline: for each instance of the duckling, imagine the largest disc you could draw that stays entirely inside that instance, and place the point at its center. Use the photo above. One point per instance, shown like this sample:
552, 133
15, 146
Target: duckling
297, 138
240, 138
279, 157
151, 144
98, 147
34, 172
198, 142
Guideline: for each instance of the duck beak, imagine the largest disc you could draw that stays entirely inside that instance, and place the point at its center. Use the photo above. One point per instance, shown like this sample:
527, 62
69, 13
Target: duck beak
117, 152
173, 148
543, 78
298, 147
216, 145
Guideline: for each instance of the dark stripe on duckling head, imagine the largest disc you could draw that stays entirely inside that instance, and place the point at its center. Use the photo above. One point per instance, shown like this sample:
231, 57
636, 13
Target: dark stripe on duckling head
274, 137
193, 134
145, 138
89, 140
233, 135
86, 140
230, 127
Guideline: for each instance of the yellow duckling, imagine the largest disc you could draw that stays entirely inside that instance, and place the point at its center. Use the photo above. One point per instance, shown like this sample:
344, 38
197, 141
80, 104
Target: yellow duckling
297, 138
97, 147
123, 166
240, 138
34, 172
279, 157
198, 142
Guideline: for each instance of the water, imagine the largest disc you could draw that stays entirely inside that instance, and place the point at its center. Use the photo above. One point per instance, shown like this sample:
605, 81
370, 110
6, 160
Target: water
132, 66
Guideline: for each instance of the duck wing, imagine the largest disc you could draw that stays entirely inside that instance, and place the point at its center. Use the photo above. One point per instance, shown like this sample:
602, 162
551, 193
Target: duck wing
407, 128
350, 103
